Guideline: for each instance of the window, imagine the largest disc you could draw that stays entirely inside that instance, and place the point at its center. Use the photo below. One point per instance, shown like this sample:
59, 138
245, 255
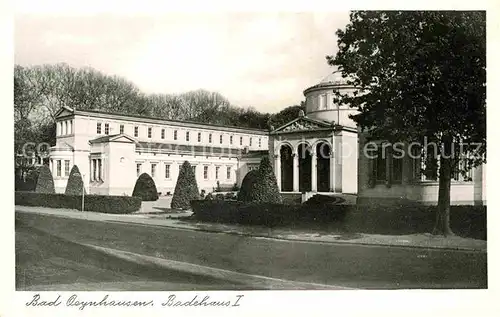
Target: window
250, 141
194, 170
397, 169
153, 170
122, 128
228, 172
66, 167
210, 138
163, 133
98, 128
150, 132
217, 172
220, 139
187, 135
94, 169
175, 134
58, 168
241, 140
167, 171
199, 136
99, 161
136, 131
138, 169
106, 128
205, 172
260, 142
230, 139
379, 164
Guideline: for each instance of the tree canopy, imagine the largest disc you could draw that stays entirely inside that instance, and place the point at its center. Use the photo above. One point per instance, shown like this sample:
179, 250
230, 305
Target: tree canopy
419, 74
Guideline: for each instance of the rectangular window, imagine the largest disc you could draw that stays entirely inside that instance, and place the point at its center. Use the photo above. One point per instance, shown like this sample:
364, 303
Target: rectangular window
230, 139
199, 136
153, 170
175, 134
205, 172
150, 132
241, 140
58, 168
163, 133
228, 172
94, 169
66, 167
138, 169
397, 169
98, 128
99, 161
187, 135
250, 141
380, 165
106, 128
217, 172
210, 138
260, 142
136, 131
220, 139
167, 171
122, 128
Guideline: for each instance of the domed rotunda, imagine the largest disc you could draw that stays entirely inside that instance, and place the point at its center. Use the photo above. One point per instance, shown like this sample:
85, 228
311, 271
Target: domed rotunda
317, 151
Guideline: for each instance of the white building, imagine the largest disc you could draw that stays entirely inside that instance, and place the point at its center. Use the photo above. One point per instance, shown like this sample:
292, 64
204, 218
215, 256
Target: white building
319, 151
112, 150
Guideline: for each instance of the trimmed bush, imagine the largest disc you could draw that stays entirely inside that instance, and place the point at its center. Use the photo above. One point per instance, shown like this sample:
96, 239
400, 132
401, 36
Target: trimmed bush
95, 203
247, 185
145, 188
75, 182
186, 188
45, 182
266, 190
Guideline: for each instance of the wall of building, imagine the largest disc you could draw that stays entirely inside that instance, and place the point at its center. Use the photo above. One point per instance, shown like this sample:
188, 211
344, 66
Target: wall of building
320, 105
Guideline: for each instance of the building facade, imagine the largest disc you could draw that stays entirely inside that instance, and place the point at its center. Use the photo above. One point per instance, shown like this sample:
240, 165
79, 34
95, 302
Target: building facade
112, 150
318, 151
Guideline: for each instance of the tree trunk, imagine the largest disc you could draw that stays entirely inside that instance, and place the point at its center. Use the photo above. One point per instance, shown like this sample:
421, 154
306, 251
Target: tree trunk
442, 226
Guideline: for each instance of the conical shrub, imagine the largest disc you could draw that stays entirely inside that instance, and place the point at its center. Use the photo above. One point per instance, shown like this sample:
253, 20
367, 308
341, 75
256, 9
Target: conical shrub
145, 188
249, 181
266, 188
45, 182
75, 182
186, 188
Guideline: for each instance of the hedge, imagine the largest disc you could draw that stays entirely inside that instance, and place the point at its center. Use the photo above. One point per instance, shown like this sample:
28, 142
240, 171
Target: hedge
95, 203
466, 221
45, 182
247, 184
186, 188
145, 188
74, 185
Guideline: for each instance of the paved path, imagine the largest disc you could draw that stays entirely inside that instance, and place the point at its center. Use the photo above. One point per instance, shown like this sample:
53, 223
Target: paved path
270, 262
174, 220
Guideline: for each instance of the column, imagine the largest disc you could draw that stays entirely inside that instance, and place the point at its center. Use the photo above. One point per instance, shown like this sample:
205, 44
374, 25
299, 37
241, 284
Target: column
332, 172
295, 172
277, 170
314, 172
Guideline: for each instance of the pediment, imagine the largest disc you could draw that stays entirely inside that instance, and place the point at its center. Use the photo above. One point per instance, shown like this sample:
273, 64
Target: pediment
64, 112
122, 138
303, 124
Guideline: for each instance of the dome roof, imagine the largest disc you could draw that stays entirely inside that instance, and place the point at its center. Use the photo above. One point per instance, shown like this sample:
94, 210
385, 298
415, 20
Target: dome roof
333, 79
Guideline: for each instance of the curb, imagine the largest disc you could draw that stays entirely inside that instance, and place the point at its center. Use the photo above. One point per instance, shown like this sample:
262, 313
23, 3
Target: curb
459, 249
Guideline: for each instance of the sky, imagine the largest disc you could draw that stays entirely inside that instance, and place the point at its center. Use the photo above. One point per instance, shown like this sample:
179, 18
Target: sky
260, 59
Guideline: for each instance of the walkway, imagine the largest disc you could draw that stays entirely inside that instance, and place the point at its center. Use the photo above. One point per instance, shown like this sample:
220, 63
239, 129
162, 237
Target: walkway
175, 220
